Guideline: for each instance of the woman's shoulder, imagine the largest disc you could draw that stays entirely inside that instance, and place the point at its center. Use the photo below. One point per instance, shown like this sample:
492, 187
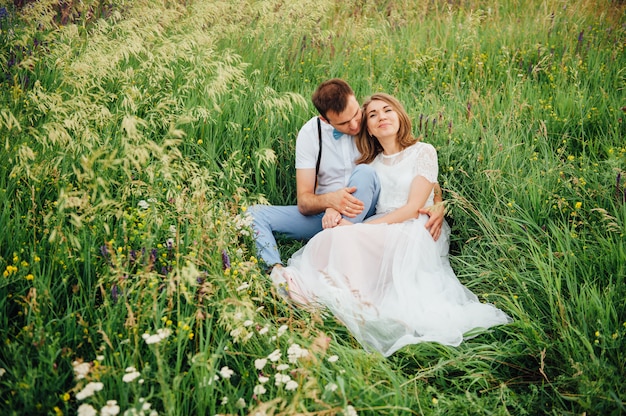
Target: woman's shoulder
421, 148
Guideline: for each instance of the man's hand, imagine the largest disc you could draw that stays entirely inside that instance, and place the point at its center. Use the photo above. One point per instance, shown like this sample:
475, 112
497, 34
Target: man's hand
436, 213
345, 203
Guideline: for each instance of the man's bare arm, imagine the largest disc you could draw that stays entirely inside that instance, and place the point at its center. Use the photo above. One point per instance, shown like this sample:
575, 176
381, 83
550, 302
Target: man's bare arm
310, 204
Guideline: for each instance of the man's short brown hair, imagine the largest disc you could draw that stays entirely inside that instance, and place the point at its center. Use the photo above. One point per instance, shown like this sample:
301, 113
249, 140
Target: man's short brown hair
332, 95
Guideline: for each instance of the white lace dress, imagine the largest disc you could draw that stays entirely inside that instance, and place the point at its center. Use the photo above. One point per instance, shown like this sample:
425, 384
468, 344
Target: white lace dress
390, 284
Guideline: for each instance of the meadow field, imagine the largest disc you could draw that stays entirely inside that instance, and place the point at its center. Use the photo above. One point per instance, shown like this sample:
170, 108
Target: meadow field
135, 134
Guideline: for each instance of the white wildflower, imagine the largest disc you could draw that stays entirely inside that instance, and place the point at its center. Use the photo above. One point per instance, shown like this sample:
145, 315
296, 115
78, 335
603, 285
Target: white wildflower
173, 230
243, 223
241, 403
86, 410
89, 390
244, 286
281, 379
226, 372
259, 390
237, 333
143, 204
291, 385
152, 339
350, 411
295, 352
263, 379
282, 330
274, 356
2, 372
131, 375
264, 330
164, 332
282, 367
331, 387
259, 363
111, 408
248, 322
161, 334
224, 400
81, 369
333, 358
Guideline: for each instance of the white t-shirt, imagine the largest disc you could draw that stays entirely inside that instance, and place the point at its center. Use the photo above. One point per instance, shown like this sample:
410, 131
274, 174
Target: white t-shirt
338, 155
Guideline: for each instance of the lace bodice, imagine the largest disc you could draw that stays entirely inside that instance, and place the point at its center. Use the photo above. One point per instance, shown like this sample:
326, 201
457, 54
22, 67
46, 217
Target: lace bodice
397, 171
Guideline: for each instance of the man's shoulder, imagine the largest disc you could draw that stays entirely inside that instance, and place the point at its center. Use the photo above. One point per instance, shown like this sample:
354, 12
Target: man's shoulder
311, 123
310, 130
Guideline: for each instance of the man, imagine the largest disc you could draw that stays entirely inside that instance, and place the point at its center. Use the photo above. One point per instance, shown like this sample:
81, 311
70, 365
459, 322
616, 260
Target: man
330, 187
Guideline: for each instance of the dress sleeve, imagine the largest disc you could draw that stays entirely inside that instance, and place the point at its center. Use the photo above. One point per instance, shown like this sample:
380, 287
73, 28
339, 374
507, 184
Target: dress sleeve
426, 162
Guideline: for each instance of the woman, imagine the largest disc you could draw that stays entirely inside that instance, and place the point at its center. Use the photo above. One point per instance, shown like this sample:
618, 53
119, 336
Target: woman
387, 280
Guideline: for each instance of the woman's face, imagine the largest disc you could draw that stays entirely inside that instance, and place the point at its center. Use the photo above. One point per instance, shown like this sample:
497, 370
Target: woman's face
382, 120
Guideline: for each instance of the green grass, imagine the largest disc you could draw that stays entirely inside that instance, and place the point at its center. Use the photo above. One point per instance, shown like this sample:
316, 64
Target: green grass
135, 134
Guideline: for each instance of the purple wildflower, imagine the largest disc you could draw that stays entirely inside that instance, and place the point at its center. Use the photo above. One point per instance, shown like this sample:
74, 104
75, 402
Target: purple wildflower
225, 260
104, 251
620, 194
580, 41
115, 293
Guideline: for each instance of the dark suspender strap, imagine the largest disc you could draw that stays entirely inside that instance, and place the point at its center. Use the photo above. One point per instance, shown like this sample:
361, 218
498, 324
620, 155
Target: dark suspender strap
319, 155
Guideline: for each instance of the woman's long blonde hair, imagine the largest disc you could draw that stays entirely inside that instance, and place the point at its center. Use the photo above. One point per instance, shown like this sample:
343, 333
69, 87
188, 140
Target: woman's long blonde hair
367, 144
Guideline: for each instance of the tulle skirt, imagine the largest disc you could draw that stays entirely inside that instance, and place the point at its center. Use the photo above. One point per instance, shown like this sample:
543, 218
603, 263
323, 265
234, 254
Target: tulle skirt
390, 284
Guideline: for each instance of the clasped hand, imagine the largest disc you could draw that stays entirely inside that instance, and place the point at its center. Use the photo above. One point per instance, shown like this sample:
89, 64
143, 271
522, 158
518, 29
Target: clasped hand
345, 203
342, 203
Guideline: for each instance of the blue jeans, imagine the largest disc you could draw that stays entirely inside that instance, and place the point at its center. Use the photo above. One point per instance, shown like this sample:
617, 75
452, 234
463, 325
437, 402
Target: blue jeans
287, 221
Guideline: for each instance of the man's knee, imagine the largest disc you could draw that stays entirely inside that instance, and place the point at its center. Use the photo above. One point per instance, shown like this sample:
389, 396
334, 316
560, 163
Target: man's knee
364, 175
365, 171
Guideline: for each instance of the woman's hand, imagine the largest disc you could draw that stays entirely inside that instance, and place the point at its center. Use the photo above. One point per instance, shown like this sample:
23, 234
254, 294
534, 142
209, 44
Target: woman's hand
435, 221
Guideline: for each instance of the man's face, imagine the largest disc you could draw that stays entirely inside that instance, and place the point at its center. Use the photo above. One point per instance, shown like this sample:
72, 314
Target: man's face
349, 120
